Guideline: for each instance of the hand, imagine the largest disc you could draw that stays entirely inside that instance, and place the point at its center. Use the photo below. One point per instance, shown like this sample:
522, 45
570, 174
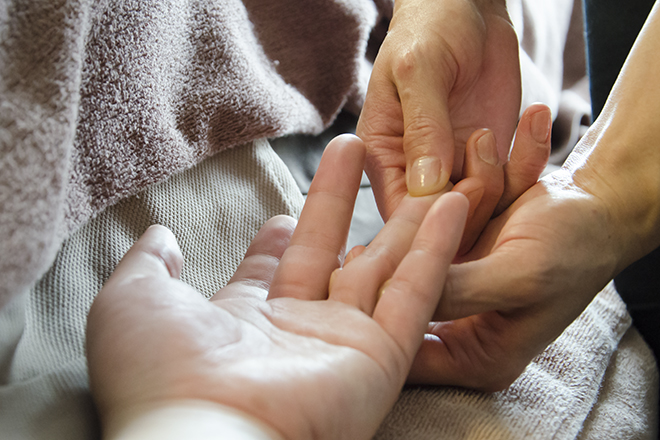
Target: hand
533, 270
303, 360
445, 69
491, 188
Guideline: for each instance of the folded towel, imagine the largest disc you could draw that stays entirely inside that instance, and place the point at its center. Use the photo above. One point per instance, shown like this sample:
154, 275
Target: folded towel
102, 99
579, 386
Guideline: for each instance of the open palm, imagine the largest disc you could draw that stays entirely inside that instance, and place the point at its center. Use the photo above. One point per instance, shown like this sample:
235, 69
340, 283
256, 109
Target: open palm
534, 269
298, 361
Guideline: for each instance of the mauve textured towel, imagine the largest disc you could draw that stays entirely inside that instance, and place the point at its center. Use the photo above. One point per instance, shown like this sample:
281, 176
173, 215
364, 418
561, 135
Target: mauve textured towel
100, 99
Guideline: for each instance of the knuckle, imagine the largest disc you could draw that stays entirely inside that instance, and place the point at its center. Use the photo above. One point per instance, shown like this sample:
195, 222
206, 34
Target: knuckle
406, 63
418, 131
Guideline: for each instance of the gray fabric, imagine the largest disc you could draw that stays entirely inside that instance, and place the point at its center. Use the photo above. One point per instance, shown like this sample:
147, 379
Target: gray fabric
214, 210
620, 413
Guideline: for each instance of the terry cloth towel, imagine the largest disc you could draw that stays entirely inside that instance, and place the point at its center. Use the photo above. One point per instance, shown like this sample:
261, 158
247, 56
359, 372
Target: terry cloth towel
100, 99
106, 108
598, 380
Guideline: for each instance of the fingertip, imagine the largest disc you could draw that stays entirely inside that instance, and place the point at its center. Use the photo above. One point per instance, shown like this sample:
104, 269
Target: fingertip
353, 253
348, 141
530, 153
343, 159
454, 202
426, 175
482, 163
161, 243
540, 122
486, 146
274, 236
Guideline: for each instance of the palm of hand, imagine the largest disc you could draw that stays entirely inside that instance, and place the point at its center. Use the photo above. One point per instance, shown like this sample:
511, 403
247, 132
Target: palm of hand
242, 352
484, 338
305, 358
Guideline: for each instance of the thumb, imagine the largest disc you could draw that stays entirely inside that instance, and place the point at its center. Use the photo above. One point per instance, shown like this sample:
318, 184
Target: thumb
428, 139
156, 254
495, 282
145, 273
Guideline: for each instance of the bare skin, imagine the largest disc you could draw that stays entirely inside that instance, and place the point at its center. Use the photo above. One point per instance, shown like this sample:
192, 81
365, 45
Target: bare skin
539, 264
289, 367
446, 69
278, 353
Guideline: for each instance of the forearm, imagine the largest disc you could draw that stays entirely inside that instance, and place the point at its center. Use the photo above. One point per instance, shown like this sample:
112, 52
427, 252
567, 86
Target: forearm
618, 161
184, 419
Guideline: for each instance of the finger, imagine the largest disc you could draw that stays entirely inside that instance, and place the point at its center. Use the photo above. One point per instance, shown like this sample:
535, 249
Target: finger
529, 156
317, 245
356, 251
428, 139
155, 254
151, 263
380, 126
483, 184
357, 283
408, 302
255, 273
490, 283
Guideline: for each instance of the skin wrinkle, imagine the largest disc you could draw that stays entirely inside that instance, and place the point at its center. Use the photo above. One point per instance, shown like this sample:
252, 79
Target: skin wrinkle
326, 247
272, 315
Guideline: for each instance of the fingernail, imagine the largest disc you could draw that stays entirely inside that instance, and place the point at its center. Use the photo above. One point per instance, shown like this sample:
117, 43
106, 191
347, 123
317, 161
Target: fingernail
426, 176
474, 197
487, 149
354, 252
541, 126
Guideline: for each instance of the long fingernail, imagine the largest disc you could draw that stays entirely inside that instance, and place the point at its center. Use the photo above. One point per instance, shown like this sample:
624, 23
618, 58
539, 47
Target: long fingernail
541, 126
487, 148
426, 176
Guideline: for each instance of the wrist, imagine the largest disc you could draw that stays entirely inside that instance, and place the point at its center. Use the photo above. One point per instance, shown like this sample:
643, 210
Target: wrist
619, 159
183, 419
627, 184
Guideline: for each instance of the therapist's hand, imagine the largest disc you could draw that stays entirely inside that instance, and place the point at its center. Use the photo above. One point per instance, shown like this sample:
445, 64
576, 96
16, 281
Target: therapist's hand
533, 270
445, 69
306, 363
